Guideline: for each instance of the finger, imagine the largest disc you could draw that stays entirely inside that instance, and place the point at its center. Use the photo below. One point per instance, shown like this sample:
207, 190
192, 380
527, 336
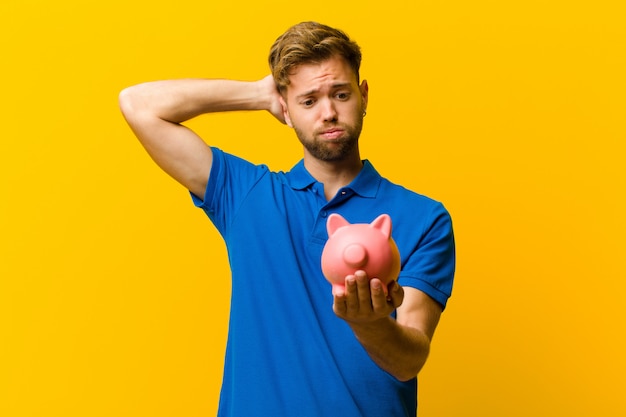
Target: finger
379, 298
339, 305
352, 294
363, 290
396, 293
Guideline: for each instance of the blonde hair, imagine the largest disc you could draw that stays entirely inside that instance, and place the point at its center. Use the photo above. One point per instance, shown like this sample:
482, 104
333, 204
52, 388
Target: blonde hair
310, 43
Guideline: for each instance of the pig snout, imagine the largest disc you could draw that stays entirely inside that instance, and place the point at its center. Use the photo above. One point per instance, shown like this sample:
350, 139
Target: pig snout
355, 255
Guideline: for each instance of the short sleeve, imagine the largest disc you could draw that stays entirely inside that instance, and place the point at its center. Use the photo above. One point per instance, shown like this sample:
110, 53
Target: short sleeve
230, 181
430, 267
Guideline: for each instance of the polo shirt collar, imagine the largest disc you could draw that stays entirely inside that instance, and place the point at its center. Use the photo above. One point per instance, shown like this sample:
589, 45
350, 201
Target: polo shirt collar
365, 184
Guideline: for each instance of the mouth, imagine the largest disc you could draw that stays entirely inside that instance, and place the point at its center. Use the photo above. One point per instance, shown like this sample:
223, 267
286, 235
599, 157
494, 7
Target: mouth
330, 134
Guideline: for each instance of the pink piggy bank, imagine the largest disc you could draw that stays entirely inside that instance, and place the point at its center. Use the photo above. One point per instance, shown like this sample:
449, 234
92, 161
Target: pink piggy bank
359, 246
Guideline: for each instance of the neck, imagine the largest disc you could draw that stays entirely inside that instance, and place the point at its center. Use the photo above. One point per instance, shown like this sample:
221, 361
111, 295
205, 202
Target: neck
333, 174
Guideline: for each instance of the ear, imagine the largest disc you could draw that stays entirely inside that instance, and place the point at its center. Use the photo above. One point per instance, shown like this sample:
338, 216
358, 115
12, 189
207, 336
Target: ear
334, 222
364, 88
382, 223
283, 103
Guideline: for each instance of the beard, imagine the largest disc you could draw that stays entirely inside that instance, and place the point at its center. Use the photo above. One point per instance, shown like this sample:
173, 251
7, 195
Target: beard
335, 149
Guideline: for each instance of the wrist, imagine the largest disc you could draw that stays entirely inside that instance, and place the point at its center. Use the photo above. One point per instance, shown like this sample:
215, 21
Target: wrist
263, 95
379, 328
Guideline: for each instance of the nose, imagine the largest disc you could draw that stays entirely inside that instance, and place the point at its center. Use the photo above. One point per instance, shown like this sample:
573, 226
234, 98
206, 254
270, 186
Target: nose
329, 112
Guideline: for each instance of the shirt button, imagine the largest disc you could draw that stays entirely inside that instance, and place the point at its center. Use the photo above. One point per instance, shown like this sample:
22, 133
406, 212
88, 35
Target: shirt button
324, 213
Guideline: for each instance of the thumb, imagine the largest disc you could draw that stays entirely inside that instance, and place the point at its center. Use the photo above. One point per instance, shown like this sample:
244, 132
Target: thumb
396, 293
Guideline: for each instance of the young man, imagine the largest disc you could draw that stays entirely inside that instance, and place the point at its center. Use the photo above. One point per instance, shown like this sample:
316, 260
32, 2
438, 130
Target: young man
294, 348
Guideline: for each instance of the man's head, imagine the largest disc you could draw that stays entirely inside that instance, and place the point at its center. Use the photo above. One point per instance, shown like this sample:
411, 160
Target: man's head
310, 43
316, 70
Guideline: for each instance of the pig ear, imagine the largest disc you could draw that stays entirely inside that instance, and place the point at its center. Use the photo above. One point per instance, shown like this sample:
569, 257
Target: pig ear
334, 222
382, 223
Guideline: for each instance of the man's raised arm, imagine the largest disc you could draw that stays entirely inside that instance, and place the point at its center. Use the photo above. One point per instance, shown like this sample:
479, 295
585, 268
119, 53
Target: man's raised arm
155, 111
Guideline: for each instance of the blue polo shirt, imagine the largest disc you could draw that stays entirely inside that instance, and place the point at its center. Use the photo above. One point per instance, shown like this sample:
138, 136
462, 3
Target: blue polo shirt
287, 353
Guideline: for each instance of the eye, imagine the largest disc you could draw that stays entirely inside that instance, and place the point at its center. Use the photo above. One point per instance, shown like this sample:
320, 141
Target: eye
308, 102
343, 96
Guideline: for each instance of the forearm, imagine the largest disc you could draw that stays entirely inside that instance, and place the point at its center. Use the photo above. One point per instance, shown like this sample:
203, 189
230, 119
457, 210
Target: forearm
176, 101
399, 350
399, 346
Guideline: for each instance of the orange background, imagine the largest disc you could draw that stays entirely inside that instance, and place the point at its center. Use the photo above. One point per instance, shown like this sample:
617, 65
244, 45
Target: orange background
114, 290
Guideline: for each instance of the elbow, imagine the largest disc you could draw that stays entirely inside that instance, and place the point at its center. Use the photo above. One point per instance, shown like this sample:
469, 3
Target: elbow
408, 374
413, 368
134, 106
125, 100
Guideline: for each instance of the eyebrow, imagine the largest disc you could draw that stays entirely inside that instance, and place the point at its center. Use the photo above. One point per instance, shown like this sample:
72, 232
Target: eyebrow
316, 90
